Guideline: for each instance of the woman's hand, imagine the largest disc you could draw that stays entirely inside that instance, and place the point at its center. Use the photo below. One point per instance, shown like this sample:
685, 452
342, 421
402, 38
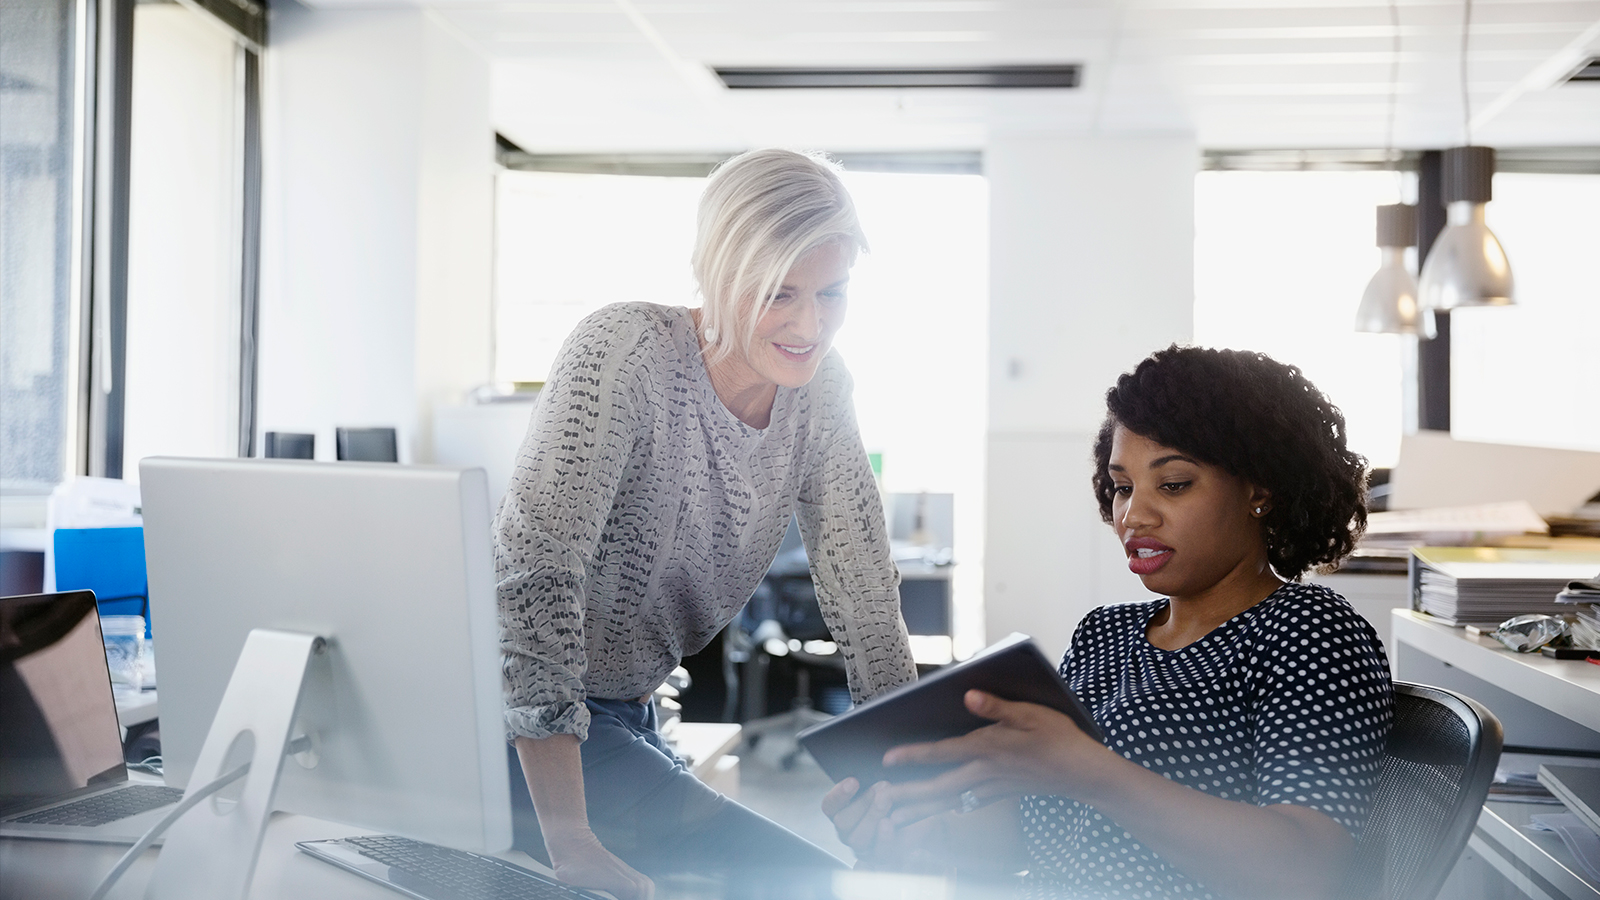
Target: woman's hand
1030, 749
553, 768
577, 858
861, 819
1238, 849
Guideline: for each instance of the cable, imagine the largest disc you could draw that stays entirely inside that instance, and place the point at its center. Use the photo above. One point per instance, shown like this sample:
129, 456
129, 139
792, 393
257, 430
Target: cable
161, 827
1466, 100
1394, 99
150, 764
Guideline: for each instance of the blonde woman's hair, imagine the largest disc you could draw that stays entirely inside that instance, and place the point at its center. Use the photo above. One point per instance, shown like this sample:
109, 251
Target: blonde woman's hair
760, 212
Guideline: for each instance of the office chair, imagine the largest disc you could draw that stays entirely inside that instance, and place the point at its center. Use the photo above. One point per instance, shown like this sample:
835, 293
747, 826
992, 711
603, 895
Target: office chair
1436, 773
108, 561
288, 445
366, 444
782, 610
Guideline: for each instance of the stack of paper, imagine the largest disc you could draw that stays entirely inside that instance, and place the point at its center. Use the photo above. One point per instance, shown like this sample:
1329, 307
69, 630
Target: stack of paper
1452, 526
1487, 585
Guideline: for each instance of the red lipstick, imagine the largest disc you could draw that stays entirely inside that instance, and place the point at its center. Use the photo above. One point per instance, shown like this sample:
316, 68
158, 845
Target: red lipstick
1155, 555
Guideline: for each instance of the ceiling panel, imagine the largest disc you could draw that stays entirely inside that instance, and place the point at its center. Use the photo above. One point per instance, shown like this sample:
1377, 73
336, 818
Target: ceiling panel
630, 75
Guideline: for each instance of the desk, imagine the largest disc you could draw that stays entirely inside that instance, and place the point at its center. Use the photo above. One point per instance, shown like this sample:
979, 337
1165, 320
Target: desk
63, 870
705, 747
1553, 703
60, 870
135, 707
1542, 703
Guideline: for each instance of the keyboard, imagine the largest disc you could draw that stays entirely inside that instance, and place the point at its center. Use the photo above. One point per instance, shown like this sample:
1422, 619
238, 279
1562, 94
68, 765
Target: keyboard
129, 800
430, 872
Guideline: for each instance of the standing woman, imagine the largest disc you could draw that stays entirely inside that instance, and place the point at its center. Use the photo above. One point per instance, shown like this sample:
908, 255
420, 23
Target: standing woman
666, 454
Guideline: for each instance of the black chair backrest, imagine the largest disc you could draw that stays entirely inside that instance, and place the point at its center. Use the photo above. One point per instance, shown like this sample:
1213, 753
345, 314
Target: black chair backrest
1436, 773
366, 444
289, 445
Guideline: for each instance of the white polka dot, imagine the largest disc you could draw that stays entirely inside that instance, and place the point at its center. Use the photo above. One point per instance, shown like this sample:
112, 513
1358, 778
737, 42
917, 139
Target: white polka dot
1259, 692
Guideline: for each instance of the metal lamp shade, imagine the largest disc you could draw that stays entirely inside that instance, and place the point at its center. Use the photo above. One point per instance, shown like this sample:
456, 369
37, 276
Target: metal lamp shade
1389, 304
1467, 266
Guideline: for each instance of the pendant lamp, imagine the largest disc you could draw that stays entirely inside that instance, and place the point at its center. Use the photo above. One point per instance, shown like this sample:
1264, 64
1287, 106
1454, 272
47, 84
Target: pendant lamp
1466, 266
1389, 305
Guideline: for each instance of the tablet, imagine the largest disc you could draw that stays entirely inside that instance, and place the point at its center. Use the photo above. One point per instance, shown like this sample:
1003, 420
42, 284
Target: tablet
931, 709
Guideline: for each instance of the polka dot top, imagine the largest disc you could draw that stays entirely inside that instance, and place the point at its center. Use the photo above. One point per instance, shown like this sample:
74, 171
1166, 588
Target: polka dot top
1287, 702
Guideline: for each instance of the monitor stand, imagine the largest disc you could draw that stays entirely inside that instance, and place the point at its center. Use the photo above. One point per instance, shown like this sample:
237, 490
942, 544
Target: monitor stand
211, 851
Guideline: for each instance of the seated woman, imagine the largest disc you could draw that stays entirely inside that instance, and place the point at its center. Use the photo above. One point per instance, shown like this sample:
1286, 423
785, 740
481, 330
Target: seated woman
1245, 712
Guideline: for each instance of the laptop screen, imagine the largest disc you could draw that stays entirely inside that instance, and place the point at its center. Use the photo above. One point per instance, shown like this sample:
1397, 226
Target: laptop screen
60, 731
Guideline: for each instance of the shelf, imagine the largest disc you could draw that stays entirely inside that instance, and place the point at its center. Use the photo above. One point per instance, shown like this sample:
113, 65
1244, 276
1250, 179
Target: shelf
1568, 688
1538, 863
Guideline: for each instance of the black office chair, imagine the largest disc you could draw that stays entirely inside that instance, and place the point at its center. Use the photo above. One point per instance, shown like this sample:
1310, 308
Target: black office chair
782, 611
289, 445
1436, 773
366, 444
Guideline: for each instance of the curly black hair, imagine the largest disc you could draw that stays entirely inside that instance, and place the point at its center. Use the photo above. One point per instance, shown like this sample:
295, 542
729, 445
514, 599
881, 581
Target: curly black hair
1260, 420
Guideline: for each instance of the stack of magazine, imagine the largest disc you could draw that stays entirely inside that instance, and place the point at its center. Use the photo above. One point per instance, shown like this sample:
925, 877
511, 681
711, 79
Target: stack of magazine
1583, 598
1487, 585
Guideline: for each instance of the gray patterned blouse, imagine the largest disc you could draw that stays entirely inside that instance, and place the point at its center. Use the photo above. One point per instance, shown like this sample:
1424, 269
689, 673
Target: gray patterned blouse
643, 514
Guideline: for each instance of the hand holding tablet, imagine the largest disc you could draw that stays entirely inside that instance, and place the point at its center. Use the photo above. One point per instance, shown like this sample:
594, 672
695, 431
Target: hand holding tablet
934, 708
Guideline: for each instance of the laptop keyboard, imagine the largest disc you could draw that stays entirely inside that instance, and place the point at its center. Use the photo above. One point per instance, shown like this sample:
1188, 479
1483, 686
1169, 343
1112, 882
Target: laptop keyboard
107, 807
439, 873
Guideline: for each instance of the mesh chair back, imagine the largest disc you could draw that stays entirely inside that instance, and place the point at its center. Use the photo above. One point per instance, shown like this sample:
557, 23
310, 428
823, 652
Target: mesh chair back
1436, 772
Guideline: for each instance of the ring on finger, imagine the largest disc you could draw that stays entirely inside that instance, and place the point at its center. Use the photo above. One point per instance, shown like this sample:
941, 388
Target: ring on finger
969, 802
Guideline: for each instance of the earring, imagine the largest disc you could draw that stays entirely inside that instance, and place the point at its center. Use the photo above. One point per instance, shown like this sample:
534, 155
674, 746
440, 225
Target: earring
1258, 510
711, 335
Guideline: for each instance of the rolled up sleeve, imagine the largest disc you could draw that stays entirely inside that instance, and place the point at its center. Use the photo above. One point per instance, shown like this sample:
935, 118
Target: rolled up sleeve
549, 526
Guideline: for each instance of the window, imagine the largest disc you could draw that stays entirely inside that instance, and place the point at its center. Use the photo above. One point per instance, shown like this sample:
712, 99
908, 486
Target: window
184, 237
916, 338
1528, 374
40, 90
1281, 259
75, 397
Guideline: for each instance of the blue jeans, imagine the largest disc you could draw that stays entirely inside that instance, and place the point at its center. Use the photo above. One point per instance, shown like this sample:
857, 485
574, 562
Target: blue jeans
646, 807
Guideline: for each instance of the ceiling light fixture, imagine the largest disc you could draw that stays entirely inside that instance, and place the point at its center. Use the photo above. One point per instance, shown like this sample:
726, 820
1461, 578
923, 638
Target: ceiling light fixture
1389, 305
1589, 71
813, 77
1466, 266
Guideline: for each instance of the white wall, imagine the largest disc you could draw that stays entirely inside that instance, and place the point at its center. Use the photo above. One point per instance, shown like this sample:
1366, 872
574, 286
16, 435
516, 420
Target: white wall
377, 218
1091, 269
183, 239
455, 260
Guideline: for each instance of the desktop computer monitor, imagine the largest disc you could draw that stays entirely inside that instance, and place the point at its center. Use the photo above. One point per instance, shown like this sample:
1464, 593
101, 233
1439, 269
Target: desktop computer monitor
392, 566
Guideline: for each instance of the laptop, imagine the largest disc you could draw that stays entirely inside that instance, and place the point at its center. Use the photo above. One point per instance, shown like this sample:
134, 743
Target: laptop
62, 776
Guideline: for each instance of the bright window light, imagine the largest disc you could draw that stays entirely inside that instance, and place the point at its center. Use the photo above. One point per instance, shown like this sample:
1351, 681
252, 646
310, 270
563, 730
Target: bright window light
1281, 259
1527, 374
915, 340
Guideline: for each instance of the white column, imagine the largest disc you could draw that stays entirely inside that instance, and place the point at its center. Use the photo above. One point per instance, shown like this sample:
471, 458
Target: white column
377, 222
455, 253
1092, 269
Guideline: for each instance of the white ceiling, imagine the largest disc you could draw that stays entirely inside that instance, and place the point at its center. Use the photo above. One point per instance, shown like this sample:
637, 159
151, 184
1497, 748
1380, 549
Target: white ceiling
631, 75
